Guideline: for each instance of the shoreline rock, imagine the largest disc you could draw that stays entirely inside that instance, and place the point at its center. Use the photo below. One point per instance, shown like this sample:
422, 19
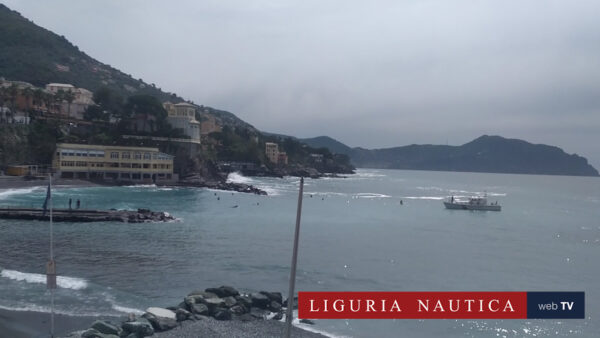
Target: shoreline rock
222, 304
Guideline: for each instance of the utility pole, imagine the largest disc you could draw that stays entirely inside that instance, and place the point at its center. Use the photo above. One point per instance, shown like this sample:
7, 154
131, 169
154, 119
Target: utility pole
290, 302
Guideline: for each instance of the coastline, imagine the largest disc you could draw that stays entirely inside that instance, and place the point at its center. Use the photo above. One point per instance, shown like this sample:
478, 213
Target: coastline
17, 182
32, 324
27, 324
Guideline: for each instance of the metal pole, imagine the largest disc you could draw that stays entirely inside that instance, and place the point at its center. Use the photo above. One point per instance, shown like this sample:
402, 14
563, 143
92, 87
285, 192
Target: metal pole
51, 259
290, 302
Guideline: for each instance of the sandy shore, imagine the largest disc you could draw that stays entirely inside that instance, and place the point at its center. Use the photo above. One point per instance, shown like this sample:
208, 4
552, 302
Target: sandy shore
29, 324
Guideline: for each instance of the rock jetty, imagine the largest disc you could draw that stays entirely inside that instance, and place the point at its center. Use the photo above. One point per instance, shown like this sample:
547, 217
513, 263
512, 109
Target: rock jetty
81, 215
201, 182
202, 312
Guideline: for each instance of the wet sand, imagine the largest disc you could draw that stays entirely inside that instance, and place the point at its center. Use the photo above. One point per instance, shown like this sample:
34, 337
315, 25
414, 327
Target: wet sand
30, 324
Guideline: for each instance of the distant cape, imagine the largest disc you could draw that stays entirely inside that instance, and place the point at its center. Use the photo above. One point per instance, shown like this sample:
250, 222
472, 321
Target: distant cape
490, 154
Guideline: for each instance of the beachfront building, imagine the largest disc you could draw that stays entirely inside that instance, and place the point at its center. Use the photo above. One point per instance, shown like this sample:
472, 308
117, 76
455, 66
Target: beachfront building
183, 116
81, 99
282, 158
272, 151
209, 125
112, 163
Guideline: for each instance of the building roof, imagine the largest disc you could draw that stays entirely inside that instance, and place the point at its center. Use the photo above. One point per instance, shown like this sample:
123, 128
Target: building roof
185, 104
66, 85
103, 147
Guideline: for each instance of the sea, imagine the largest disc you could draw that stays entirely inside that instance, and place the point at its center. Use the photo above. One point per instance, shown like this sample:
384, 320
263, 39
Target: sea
376, 230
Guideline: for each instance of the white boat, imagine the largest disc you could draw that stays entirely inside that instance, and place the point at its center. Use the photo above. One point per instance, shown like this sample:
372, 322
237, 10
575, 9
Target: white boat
474, 203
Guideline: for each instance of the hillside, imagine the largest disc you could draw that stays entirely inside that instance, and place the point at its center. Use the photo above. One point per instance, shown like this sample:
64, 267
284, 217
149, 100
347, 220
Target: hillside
33, 54
333, 145
36, 55
492, 154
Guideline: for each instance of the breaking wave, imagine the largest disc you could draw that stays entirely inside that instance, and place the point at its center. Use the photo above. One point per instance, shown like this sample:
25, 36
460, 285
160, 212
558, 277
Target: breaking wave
62, 281
10, 192
236, 177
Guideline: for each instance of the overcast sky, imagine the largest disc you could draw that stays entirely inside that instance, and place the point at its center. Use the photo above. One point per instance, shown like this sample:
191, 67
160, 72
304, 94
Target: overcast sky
368, 73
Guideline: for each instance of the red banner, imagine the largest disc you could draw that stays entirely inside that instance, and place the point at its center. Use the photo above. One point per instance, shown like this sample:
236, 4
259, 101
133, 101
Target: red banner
412, 305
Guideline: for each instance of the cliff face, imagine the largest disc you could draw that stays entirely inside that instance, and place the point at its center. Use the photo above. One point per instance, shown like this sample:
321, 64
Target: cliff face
14, 144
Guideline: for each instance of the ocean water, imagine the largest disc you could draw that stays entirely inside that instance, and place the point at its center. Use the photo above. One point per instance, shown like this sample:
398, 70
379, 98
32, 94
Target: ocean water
355, 236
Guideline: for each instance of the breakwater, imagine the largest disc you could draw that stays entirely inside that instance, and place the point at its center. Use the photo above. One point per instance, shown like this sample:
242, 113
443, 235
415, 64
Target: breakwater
82, 215
204, 312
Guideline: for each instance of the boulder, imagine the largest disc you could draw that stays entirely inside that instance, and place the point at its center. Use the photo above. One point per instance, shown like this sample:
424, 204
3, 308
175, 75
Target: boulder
273, 296
259, 300
160, 312
141, 327
204, 294
200, 309
274, 306
278, 316
106, 327
258, 313
307, 321
182, 315
223, 314
213, 304
238, 310
224, 291
229, 301
244, 300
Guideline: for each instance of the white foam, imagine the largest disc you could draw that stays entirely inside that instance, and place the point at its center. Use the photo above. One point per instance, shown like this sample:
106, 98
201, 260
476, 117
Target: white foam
127, 309
141, 186
236, 177
45, 309
62, 281
437, 198
371, 195
10, 192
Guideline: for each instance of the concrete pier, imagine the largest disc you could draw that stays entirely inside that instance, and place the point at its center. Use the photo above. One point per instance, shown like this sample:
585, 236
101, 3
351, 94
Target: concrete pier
82, 215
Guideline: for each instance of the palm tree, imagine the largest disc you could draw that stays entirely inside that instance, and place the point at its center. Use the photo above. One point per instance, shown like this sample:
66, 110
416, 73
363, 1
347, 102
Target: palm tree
58, 99
69, 96
27, 92
38, 98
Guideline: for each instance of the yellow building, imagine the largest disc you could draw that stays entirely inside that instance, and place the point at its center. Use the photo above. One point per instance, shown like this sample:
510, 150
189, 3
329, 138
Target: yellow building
272, 151
118, 163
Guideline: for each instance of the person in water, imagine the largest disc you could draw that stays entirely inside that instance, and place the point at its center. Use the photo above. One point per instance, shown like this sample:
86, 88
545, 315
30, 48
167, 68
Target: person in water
78, 204
70, 202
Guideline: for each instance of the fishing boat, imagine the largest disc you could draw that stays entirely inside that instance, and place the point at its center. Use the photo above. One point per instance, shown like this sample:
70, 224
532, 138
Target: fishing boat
474, 203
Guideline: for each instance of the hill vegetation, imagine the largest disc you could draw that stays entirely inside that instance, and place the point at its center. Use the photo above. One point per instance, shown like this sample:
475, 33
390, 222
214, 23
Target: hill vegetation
492, 154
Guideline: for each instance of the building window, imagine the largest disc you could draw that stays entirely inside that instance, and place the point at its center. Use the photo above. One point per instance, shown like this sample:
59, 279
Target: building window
81, 164
114, 165
146, 156
154, 166
125, 155
137, 156
146, 165
125, 165
114, 155
136, 165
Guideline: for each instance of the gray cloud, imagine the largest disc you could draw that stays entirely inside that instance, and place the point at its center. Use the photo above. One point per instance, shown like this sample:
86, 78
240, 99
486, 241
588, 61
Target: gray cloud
374, 74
